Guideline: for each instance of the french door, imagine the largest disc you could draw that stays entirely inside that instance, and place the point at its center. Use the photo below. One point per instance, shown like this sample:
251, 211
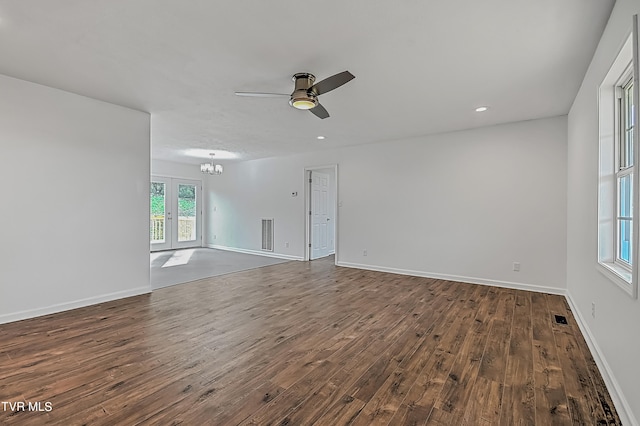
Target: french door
176, 213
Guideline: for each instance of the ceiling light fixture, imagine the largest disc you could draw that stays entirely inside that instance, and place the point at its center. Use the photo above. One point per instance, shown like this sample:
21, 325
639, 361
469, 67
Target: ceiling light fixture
320, 137
303, 97
482, 109
211, 168
304, 102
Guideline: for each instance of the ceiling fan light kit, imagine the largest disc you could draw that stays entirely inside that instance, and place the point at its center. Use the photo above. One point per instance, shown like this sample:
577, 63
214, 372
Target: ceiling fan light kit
305, 93
302, 97
303, 103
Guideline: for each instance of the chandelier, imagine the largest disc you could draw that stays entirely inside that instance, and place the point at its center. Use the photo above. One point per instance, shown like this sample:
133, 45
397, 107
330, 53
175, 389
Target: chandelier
211, 168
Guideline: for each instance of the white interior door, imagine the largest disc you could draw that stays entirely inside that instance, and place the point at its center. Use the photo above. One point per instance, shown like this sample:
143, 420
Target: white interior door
176, 213
319, 214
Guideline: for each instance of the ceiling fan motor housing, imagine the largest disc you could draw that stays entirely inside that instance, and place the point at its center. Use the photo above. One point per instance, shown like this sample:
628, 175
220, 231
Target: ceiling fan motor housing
302, 97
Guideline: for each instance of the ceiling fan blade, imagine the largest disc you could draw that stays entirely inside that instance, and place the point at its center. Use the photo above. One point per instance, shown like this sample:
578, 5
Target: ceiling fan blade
261, 95
333, 82
320, 112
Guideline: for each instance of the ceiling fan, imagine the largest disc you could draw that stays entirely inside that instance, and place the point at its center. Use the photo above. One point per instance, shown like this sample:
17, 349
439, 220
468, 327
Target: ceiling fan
305, 93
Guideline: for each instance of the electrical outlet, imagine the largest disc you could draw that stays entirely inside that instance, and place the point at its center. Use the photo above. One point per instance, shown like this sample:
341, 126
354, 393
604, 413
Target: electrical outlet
516, 266
215, 236
593, 309
286, 245
364, 252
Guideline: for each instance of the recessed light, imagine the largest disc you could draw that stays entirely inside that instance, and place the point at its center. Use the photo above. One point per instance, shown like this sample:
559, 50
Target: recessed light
482, 109
320, 137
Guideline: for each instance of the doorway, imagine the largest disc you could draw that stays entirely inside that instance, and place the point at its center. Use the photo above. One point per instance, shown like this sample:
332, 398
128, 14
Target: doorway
321, 211
176, 213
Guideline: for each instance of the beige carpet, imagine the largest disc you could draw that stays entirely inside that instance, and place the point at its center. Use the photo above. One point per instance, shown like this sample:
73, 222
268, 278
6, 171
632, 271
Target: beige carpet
180, 266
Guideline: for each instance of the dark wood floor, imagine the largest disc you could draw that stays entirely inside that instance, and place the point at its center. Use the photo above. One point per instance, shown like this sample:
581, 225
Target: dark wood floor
307, 343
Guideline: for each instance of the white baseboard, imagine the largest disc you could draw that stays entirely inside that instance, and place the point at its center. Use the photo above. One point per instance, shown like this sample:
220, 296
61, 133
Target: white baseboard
621, 404
32, 313
459, 278
256, 252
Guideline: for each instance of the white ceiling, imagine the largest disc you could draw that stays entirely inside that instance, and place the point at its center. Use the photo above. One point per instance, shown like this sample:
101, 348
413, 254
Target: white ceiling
421, 67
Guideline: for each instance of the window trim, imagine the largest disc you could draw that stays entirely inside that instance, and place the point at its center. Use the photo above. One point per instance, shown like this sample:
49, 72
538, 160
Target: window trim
623, 69
635, 54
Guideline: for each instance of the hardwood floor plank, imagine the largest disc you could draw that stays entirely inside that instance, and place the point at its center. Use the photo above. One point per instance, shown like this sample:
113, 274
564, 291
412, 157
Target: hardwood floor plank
518, 401
486, 396
366, 347
485, 403
493, 364
354, 350
237, 413
354, 378
310, 383
389, 396
428, 384
288, 400
306, 343
459, 386
551, 398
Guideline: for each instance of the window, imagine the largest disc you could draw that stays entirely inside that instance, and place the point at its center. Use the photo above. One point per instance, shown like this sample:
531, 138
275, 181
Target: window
617, 174
624, 172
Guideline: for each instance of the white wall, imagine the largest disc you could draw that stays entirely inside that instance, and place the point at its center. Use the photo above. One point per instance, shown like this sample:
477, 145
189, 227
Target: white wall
614, 330
462, 205
75, 209
237, 200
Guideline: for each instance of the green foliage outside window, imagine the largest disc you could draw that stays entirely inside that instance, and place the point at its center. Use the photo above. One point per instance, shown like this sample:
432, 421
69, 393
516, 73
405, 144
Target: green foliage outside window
186, 200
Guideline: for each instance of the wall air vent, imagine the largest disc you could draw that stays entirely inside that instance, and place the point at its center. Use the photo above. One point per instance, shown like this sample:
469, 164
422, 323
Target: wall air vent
267, 234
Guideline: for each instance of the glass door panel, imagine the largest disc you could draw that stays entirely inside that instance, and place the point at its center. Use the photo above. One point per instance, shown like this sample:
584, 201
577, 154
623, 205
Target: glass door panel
187, 204
160, 213
158, 198
187, 222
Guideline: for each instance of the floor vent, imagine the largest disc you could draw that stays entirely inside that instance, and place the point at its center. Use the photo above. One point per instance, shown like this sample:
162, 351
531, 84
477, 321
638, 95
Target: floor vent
560, 319
267, 234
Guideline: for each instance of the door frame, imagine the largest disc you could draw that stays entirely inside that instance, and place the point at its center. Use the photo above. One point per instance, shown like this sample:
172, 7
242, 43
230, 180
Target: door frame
307, 209
171, 206
176, 244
